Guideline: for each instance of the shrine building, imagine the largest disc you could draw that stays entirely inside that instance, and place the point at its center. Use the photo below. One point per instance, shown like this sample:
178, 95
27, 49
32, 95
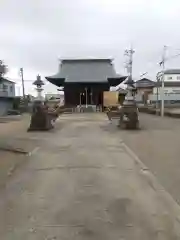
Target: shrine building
85, 80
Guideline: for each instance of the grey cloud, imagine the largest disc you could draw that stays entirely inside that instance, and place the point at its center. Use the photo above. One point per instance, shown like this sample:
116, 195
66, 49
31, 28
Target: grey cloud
35, 33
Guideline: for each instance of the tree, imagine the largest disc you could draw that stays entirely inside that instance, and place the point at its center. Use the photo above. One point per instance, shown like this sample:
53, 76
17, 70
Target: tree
3, 69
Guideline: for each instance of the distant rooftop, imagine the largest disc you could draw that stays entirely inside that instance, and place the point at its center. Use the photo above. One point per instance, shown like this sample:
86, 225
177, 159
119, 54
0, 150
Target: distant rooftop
6, 79
147, 83
87, 59
144, 82
172, 71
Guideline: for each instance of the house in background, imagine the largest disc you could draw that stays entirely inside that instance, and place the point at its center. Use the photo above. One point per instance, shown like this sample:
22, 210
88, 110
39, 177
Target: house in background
171, 87
151, 90
145, 88
7, 95
171, 91
172, 75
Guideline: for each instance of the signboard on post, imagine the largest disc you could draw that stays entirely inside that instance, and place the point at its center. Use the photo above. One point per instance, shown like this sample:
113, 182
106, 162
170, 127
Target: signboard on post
110, 98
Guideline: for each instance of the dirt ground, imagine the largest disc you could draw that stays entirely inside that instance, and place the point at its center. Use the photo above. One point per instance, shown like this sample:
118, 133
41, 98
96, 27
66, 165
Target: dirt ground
12, 125
11, 128
158, 146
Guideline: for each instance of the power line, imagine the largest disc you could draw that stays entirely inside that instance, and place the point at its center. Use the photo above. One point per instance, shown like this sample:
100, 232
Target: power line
165, 59
174, 56
19, 80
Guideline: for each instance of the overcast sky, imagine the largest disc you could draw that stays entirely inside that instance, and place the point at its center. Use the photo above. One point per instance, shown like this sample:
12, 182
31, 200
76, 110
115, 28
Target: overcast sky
35, 33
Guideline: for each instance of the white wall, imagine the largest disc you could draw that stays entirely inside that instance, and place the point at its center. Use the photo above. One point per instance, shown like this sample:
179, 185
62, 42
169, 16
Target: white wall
7, 89
167, 90
171, 77
170, 93
167, 97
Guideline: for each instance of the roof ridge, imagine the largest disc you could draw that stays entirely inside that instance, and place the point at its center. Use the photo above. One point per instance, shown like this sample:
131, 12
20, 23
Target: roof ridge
86, 59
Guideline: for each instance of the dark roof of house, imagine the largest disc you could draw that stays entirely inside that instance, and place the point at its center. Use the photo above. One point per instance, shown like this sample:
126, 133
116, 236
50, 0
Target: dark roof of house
6, 79
86, 71
144, 83
172, 71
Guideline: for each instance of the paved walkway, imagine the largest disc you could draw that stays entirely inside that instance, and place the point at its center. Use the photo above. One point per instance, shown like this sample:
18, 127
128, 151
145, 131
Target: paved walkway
84, 183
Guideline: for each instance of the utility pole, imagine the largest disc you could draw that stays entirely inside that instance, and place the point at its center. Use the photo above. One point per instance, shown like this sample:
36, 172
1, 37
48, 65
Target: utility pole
162, 64
157, 91
129, 53
130, 83
22, 79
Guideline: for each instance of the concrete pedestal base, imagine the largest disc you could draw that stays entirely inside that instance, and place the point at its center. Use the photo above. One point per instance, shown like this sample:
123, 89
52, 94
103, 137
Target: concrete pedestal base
40, 122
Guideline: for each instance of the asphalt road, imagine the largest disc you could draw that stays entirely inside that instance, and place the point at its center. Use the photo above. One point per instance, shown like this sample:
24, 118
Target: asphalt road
84, 183
158, 146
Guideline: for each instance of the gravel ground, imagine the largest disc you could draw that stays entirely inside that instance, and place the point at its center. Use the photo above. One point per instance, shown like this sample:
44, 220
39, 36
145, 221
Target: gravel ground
157, 144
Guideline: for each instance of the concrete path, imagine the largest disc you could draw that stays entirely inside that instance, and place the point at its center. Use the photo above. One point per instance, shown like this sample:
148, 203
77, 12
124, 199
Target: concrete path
84, 183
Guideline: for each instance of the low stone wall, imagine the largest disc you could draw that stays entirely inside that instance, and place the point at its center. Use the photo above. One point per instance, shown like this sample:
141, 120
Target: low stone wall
167, 112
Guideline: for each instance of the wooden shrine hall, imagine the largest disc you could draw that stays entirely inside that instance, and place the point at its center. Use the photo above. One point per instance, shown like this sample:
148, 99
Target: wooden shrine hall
85, 80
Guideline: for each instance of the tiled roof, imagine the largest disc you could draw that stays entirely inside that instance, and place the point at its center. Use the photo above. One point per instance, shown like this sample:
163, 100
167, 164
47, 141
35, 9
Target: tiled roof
85, 71
143, 83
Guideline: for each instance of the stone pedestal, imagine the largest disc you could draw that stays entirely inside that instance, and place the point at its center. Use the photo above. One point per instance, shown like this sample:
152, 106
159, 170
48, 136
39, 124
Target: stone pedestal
129, 115
41, 120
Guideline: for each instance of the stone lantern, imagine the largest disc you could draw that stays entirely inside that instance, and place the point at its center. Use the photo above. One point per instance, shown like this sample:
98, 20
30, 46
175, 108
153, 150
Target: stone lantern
129, 118
39, 83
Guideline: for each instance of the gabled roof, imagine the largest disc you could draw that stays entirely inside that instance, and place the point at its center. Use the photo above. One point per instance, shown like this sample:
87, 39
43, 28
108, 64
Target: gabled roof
144, 83
85, 71
6, 80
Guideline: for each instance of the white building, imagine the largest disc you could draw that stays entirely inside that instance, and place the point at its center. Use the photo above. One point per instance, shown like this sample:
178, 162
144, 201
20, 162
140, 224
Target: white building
55, 97
152, 90
171, 86
7, 95
172, 75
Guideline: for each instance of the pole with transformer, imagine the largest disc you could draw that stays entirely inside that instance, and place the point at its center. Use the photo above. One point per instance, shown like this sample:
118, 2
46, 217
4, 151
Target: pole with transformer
128, 112
129, 66
129, 53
